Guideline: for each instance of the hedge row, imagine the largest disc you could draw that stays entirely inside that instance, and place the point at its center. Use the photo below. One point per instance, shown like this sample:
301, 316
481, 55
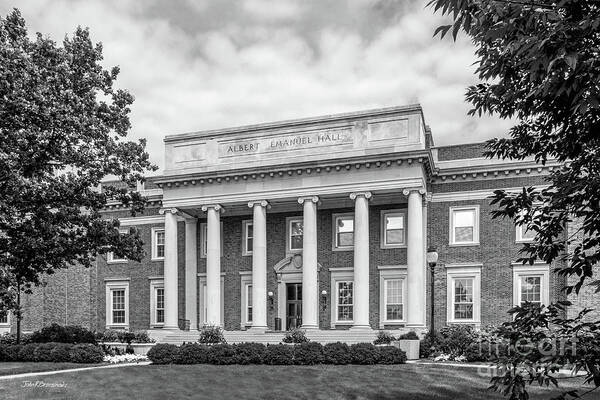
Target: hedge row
52, 352
278, 354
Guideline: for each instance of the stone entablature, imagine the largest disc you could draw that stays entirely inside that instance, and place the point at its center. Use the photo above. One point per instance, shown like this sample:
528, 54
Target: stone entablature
345, 137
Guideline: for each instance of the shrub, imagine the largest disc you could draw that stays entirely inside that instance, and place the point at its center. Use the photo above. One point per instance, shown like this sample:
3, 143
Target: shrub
192, 353
43, 352
383, 337
428, 344
27, 352
249, 353
309, 353
86, 353
296, 335
108, 335
61, 352
364, 353
10, 352
163, 353
337, 353
211, 334
279, 354
391, 355
412, 335
221, 354
63, 334
11, 338
456, 339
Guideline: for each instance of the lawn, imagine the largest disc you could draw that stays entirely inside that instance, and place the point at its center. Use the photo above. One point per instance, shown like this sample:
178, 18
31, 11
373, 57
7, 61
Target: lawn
12, 368
380, 382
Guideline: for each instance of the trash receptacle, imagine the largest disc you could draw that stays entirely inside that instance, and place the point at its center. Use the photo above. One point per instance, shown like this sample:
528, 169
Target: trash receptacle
277, 323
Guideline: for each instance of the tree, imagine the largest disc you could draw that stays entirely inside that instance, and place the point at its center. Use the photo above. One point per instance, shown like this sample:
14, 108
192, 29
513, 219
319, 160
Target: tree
538, 62
62, 127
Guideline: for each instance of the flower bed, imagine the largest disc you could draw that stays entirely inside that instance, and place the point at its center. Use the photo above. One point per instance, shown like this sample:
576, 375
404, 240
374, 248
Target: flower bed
308, 353
125, 358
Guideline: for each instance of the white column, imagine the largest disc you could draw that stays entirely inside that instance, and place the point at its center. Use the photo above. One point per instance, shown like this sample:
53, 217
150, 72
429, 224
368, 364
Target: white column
259, 265
191, 272
310, 280
170, 277
415, 259
361, 259
213, 264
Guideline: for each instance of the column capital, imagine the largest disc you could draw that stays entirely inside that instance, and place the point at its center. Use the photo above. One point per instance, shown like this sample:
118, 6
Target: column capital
314, 199
262, 203
171, 210
407, 191
216, 207
355, 195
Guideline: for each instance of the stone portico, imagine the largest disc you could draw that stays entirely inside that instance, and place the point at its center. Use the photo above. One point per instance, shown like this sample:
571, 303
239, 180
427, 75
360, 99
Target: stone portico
354, 160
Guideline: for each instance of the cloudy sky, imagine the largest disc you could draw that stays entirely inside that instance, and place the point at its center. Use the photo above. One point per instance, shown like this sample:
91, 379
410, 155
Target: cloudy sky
200, 64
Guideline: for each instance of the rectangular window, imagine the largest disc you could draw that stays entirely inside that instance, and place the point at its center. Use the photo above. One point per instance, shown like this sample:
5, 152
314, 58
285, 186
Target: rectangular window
464, 225
295, 234
118, 306
524, 234
392, 229
394, 307
463, 299
344, 231
248, 236
531, 284
110, 257
158, 244
4, 318
531, 289
345, 301
160, 305
249, 303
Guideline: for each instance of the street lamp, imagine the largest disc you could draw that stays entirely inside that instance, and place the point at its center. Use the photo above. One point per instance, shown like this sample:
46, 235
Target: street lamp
432, 259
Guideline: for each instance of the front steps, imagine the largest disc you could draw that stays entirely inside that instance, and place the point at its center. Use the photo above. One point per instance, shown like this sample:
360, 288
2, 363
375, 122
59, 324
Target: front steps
269, 337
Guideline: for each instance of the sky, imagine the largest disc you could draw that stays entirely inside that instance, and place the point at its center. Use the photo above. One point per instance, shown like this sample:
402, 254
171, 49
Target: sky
198, 64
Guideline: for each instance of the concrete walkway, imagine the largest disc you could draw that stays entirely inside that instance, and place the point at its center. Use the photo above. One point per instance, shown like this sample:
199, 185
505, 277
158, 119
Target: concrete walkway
63, 371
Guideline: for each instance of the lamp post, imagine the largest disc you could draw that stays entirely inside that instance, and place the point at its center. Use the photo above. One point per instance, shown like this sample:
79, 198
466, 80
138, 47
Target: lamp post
432, 259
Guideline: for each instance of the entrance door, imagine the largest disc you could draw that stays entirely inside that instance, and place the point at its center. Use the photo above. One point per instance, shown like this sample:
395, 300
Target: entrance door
294, 305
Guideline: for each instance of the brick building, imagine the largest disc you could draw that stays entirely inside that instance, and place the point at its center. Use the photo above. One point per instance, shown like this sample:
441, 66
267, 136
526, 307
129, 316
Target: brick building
321, 223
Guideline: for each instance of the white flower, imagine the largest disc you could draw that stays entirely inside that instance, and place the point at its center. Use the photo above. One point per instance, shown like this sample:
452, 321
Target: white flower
125, 358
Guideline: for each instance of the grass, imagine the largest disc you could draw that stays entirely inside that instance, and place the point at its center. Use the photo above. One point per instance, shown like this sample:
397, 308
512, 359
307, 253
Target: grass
382, 382
12, 368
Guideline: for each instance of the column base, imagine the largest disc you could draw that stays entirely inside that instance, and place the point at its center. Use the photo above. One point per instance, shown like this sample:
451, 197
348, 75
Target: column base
309, 327
360, 328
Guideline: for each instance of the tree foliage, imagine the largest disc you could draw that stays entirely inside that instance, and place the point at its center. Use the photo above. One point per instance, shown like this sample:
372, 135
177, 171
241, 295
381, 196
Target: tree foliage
62, 127
538, 63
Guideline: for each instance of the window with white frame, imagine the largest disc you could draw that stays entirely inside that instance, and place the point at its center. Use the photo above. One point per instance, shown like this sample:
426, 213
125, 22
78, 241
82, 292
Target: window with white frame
393, 229
248, 236
158, 243
345, 301
392, 292
4, 320
157, 302
524, 235
110, 257
204, 238
117, 304
531, 284
464, 294
464, 225
202, 300
343, 227
295, 234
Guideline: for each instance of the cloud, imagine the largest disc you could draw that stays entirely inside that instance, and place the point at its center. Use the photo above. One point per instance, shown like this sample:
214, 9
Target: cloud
195, 65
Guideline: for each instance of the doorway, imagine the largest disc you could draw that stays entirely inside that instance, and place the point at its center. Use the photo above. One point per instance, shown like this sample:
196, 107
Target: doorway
294, 305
